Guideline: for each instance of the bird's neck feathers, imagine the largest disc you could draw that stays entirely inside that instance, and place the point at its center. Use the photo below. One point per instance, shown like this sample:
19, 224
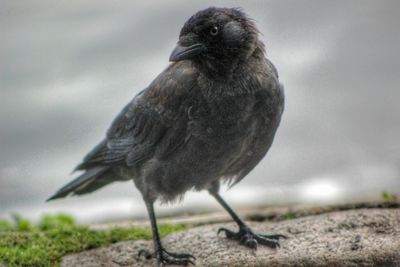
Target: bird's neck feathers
226, 68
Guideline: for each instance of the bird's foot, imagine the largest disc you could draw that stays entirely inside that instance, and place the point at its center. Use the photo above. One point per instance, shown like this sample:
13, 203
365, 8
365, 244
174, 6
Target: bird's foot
247, 238
164, 257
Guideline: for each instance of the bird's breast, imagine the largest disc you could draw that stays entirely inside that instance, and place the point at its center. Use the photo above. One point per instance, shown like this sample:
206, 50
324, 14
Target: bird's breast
224, 116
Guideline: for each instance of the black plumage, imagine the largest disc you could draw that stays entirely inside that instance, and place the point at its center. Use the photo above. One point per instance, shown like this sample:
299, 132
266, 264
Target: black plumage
209, 118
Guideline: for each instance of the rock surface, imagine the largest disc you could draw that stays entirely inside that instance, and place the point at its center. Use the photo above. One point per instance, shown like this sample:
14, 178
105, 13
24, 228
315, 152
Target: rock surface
364, 237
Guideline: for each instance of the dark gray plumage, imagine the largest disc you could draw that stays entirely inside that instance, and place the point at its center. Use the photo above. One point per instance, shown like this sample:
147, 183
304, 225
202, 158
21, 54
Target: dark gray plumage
209, 118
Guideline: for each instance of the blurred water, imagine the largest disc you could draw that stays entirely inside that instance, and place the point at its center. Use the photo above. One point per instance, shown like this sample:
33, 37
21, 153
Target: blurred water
68, 68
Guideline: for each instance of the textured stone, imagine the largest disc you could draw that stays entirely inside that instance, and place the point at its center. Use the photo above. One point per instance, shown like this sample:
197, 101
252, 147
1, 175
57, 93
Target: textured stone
365, 237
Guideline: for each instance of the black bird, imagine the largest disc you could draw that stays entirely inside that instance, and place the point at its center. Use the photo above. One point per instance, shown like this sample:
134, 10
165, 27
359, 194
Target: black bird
209, 118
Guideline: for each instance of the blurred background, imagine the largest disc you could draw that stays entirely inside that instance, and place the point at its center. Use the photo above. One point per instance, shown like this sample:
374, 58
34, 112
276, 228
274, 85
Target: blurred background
68, 67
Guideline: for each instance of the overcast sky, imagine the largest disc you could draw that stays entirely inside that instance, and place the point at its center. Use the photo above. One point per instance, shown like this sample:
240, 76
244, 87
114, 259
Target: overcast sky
68, 67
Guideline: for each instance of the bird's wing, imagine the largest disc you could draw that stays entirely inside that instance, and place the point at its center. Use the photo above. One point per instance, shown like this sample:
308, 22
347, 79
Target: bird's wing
154, 122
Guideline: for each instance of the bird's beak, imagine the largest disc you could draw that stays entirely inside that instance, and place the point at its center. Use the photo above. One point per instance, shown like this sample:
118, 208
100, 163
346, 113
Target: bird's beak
181, 52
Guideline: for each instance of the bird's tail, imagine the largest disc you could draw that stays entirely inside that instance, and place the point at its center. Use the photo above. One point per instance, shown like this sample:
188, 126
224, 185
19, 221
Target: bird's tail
89, 181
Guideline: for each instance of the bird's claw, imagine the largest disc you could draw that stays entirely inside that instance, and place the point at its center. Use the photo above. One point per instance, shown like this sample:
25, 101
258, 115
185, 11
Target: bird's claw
228, 233
165, 257
247, 238
146, 253
275, 236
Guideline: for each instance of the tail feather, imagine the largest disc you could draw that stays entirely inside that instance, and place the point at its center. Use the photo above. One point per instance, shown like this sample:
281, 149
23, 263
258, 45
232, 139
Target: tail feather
89, 181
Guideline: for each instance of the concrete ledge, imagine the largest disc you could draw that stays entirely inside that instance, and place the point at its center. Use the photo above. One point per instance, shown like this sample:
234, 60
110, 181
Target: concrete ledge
364, 237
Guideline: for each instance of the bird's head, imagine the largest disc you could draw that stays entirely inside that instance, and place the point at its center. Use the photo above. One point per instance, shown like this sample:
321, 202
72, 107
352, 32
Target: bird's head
217, 39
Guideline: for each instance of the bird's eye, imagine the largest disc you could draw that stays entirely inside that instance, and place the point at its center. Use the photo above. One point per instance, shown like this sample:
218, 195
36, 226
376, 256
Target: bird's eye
214, 31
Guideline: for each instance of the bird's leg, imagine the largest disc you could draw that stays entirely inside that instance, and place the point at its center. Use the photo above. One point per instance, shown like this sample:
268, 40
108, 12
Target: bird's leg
163, 256
245, 235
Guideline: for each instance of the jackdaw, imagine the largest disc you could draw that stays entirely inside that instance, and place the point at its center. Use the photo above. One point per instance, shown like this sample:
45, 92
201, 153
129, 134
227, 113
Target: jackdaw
208, 118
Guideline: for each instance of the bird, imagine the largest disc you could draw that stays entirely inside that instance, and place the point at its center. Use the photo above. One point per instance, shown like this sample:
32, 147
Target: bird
207, 120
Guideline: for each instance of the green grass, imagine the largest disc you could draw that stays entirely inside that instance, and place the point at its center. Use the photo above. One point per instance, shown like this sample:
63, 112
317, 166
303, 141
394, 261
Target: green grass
386, 196
23, 243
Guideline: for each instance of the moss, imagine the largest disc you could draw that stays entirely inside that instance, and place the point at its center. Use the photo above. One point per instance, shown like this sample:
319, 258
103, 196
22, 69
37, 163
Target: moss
386, 196
23, 243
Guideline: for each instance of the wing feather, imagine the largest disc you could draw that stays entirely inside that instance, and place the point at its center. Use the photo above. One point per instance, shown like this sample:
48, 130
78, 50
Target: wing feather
155, 121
